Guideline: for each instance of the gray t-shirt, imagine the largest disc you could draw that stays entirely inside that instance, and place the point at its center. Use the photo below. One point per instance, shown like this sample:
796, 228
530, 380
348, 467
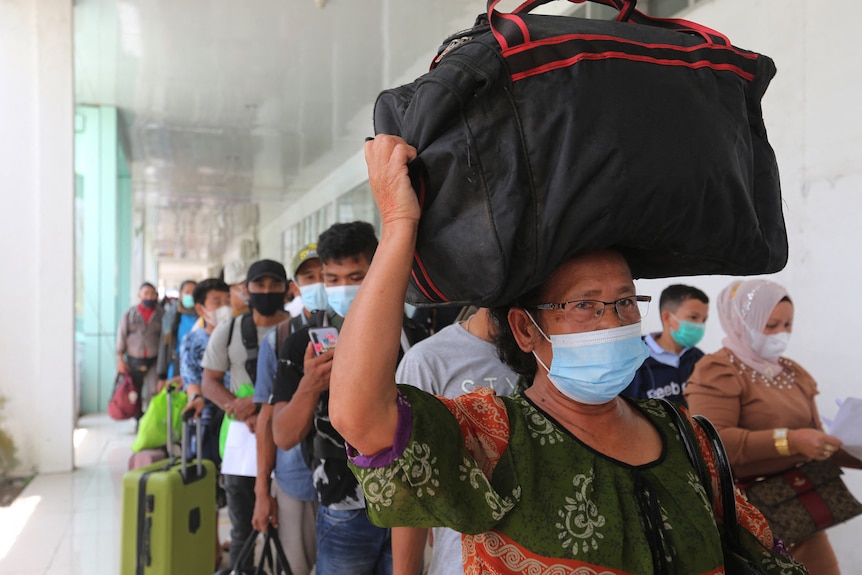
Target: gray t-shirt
220, 357
450, 363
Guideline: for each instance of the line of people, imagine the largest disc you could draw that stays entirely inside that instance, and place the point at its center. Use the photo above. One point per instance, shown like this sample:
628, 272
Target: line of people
300, 480
512, 409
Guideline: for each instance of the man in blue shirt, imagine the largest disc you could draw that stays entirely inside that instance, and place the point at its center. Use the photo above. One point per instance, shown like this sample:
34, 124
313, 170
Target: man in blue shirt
684, 311
211, 302
178, 320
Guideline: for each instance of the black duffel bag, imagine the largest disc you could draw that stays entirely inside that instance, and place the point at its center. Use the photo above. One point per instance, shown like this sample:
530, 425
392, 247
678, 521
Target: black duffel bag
541, 137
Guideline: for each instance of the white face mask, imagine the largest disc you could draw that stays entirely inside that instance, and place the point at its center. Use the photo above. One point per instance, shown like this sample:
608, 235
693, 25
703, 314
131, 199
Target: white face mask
295, 307
220, 315
771, 347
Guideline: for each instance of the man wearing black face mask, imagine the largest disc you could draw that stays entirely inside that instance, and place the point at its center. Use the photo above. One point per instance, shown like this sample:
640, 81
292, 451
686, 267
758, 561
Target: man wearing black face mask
233, 347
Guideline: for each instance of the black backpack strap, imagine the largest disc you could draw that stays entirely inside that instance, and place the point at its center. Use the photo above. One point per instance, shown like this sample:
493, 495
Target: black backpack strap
282, 331
249, 340
175, 328
230, 331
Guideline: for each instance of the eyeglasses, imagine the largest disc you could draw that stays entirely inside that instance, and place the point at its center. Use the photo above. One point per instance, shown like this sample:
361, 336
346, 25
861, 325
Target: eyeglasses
589, 311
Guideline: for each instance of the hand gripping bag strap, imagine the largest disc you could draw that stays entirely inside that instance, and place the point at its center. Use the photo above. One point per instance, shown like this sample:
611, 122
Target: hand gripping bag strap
271, 543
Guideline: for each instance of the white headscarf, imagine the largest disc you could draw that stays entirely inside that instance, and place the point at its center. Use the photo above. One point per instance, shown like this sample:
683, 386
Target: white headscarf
744, 308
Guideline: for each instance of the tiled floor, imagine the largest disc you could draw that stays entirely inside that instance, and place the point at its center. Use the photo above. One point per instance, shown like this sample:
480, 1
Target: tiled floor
69, 523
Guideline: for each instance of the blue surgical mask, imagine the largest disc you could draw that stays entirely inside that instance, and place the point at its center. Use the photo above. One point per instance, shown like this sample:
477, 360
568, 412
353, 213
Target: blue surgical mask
689, 333
313, 296
188, 301
594, 367
340, 298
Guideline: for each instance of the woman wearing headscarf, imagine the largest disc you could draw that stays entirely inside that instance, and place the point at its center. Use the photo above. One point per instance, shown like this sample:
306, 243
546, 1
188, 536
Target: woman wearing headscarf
763, 403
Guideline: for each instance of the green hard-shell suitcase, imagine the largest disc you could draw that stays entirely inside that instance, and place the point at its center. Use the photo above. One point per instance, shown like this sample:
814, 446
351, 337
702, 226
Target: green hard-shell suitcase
169, 516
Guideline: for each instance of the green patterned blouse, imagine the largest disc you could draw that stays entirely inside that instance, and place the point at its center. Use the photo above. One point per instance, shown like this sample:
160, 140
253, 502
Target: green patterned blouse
532, 498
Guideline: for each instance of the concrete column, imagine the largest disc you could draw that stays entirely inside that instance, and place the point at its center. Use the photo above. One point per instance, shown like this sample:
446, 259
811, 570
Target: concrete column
36, 231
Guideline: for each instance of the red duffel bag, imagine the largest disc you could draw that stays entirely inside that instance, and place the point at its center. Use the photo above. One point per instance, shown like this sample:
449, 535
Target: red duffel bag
126, 400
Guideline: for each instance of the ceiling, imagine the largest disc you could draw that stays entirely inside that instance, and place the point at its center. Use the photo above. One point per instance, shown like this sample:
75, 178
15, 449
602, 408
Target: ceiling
227, 104
230, 111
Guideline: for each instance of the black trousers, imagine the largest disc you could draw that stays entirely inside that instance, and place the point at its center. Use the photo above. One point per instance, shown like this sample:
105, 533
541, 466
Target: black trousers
240, 508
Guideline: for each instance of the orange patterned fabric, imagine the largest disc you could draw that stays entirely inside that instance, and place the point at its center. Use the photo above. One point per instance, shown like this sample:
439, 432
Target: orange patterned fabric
492, 553
484, 425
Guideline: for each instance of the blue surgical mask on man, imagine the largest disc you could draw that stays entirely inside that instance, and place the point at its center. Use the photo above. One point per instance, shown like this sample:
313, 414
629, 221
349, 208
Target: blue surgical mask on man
593, 367
313, 296
340, 298
689, 333
188, 301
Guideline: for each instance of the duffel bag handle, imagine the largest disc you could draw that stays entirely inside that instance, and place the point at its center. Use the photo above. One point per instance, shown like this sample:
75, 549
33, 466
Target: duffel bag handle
625, 7
510, 30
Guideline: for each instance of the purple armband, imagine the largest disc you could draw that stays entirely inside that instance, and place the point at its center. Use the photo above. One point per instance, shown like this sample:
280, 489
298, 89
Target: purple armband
402, 436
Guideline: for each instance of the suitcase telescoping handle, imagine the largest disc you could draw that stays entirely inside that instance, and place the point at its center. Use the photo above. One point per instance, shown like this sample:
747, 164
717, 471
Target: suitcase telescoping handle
170, 437
187, 416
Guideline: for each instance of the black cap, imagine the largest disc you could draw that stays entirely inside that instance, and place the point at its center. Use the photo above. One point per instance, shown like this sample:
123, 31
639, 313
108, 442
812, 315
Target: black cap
262, 268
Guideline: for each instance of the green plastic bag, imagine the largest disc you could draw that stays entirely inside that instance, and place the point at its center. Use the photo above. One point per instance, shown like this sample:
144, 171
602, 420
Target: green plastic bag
153, 426
244, 390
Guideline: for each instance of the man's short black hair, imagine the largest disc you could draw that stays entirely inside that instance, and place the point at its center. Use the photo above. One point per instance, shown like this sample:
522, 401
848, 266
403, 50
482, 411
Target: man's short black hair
206, 286
147, 284
673, 296
185, 283
351, 240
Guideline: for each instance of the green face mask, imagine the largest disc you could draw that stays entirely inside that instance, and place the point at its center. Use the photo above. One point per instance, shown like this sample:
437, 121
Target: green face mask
188, 301
689, 333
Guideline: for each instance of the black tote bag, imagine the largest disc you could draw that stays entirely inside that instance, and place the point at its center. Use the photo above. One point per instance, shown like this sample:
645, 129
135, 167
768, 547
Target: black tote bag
542, 137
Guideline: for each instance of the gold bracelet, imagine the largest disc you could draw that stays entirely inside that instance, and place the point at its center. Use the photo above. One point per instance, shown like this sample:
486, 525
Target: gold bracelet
782, 444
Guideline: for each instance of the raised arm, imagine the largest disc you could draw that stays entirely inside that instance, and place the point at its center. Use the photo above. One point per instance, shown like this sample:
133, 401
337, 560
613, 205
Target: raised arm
362, 389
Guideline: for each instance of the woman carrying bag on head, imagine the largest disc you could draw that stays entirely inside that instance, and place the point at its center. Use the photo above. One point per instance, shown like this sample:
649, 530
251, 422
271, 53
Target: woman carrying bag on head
566, 477
763, 403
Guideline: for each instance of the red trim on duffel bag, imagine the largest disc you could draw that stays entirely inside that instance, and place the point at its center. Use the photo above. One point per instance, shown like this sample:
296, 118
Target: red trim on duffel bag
427, 280
623, 56
693, 26
424, 282
495, 18
419, 285
606, 38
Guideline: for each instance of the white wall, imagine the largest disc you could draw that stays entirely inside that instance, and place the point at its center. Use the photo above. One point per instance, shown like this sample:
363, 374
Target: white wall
36, 232
812, 115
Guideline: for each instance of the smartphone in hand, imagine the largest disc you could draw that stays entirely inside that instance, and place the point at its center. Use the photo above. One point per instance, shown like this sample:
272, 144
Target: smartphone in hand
322, 338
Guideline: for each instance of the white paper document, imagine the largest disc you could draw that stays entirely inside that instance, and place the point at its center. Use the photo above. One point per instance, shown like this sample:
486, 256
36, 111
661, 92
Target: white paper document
847, 426
240, 451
